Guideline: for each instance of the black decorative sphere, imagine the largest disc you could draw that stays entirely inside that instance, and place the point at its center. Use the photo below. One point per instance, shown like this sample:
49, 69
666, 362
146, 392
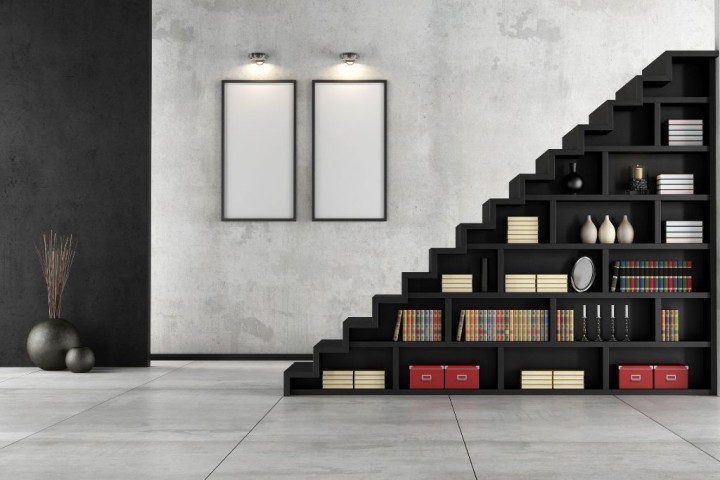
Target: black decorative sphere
49, 341
573, 182
80, 359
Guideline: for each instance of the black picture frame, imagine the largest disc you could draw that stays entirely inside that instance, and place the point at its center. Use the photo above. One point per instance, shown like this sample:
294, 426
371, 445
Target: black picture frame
223, 215
384, 217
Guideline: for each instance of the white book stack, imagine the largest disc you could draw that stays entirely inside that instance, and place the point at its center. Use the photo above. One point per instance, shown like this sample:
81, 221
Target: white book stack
522, 230
675, 184
547, 282
685, 133
457, 283
684, 231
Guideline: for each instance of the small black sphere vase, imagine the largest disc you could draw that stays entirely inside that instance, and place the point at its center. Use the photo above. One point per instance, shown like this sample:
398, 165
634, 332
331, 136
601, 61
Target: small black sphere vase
80, 359
573, 182
49, 342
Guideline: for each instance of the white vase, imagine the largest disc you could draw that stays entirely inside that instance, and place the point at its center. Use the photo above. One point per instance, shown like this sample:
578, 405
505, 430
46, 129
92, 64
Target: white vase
588, 232
625, 231
606, 232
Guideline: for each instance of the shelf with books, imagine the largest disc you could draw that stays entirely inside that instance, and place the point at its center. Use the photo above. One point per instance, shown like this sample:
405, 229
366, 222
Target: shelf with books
634, 129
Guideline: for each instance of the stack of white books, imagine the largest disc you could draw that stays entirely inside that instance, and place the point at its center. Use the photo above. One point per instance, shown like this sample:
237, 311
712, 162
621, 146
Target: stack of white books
684, 231
685, 133
675, 184
522, 230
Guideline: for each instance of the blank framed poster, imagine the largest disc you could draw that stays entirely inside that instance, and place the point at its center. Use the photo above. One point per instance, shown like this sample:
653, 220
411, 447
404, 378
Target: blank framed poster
258, 150
350, 150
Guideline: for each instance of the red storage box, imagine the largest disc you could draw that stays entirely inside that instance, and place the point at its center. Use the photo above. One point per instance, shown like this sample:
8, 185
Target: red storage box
462, 377
671, 377
635, 377
427, 377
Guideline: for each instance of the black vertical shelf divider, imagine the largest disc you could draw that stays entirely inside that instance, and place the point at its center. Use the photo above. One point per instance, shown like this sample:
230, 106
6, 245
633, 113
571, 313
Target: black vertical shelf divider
619, 134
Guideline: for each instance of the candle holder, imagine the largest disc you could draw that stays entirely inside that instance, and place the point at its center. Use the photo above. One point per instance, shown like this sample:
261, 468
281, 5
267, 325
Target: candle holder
612, 330
598, 333
627, 325
584, 337
638, 181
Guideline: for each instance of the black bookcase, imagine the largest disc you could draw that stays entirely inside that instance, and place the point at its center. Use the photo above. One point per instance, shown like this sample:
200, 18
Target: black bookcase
629, 130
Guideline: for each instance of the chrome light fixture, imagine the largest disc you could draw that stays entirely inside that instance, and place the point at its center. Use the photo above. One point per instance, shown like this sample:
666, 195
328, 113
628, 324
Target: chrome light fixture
258, 57
349, 57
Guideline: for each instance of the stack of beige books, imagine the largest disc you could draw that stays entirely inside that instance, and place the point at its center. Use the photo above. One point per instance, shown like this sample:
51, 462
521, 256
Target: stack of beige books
569, 379
365, 379
519, 282
552, 282
337, 379
461, 283
534, 379
522, 230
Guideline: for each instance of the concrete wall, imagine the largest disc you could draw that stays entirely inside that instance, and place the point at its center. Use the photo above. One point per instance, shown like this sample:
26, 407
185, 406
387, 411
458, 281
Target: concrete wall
75, 157
477, 90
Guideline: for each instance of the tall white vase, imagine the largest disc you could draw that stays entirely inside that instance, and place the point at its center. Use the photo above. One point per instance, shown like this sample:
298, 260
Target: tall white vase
588, 232
625, 231
606, 232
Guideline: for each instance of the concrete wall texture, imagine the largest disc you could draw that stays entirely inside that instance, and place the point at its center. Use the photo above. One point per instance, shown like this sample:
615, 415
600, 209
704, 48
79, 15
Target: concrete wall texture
476, 92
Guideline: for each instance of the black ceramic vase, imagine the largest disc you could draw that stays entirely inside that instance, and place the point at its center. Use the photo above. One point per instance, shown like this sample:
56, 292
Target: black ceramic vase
573, 182
49, 342
80, 359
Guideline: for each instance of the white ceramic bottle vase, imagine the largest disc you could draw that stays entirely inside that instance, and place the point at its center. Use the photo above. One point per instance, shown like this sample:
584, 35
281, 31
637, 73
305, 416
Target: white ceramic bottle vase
625, 231
606, 232
588, 232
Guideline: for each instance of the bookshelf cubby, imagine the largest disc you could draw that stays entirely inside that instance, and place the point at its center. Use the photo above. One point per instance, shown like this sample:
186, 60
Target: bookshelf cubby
629, 130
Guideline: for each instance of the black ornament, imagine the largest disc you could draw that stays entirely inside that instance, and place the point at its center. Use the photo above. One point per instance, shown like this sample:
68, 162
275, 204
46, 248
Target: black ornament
573, 182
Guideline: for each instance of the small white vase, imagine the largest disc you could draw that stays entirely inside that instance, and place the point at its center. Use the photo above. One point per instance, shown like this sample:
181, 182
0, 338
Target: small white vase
606, 232
625, 231
588, 232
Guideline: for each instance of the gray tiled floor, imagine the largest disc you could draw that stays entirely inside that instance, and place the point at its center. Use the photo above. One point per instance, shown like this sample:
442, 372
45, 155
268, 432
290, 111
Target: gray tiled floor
228, 420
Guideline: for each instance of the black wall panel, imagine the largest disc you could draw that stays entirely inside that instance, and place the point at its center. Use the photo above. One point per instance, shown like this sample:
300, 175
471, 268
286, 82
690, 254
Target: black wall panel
75, 157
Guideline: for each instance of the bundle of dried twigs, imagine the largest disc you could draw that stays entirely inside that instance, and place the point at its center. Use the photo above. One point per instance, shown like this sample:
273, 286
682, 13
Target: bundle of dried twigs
56, 257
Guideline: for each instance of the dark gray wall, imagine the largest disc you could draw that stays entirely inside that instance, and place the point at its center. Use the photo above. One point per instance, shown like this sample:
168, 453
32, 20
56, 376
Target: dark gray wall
74, 156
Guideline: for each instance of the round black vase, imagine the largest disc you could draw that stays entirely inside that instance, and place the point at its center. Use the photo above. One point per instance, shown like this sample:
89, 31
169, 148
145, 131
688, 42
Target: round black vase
80, 359
49, 341
573, 182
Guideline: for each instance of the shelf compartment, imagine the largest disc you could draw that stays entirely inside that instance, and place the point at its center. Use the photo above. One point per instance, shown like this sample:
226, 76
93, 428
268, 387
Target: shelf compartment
493, 304
686, 112
552, 261
642, 318
499, 233
620, 163
381, 359
631, 126
553, 358
678, 210
486, 358
571, 217
697, 359
695, 319
689, 79
700, 267
589, 166
387, 317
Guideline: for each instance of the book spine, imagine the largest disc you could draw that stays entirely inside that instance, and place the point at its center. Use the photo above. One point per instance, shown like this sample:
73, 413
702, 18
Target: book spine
663, 325
396, 333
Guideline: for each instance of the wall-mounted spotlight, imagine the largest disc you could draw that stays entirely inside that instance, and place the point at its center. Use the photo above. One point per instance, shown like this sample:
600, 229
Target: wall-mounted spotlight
349, 57
258, 57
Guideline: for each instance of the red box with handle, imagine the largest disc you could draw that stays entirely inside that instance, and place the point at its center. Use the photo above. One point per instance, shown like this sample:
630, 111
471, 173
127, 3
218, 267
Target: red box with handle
462, 377
671, 377
427, 377
635, 377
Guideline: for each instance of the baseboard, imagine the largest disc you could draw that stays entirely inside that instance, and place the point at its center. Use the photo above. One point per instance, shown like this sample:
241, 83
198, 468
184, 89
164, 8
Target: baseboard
231, 356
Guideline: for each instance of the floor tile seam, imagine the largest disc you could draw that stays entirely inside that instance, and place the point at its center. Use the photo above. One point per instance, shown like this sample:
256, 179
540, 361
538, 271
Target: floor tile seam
668, 429
243, 438
19, 376
462, 436
90, 408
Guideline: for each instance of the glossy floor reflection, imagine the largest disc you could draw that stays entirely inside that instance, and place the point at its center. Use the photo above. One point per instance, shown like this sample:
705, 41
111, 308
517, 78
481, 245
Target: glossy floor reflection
228, 420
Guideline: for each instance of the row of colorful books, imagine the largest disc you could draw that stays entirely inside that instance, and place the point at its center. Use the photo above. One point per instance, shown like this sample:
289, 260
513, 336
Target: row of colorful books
675, 184
670, 326
419, 326
503, 326
651, 276
565, 324
684, 231
685, 132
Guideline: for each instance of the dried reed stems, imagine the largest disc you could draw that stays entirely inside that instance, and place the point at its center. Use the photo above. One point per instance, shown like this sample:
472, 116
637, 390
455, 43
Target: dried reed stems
56, 257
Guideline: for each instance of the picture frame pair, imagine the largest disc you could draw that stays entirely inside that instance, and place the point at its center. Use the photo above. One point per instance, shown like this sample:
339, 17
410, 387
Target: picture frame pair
349, 150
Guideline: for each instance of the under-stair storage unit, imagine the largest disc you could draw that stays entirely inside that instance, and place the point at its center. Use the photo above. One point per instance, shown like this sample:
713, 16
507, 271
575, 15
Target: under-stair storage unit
668, 289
